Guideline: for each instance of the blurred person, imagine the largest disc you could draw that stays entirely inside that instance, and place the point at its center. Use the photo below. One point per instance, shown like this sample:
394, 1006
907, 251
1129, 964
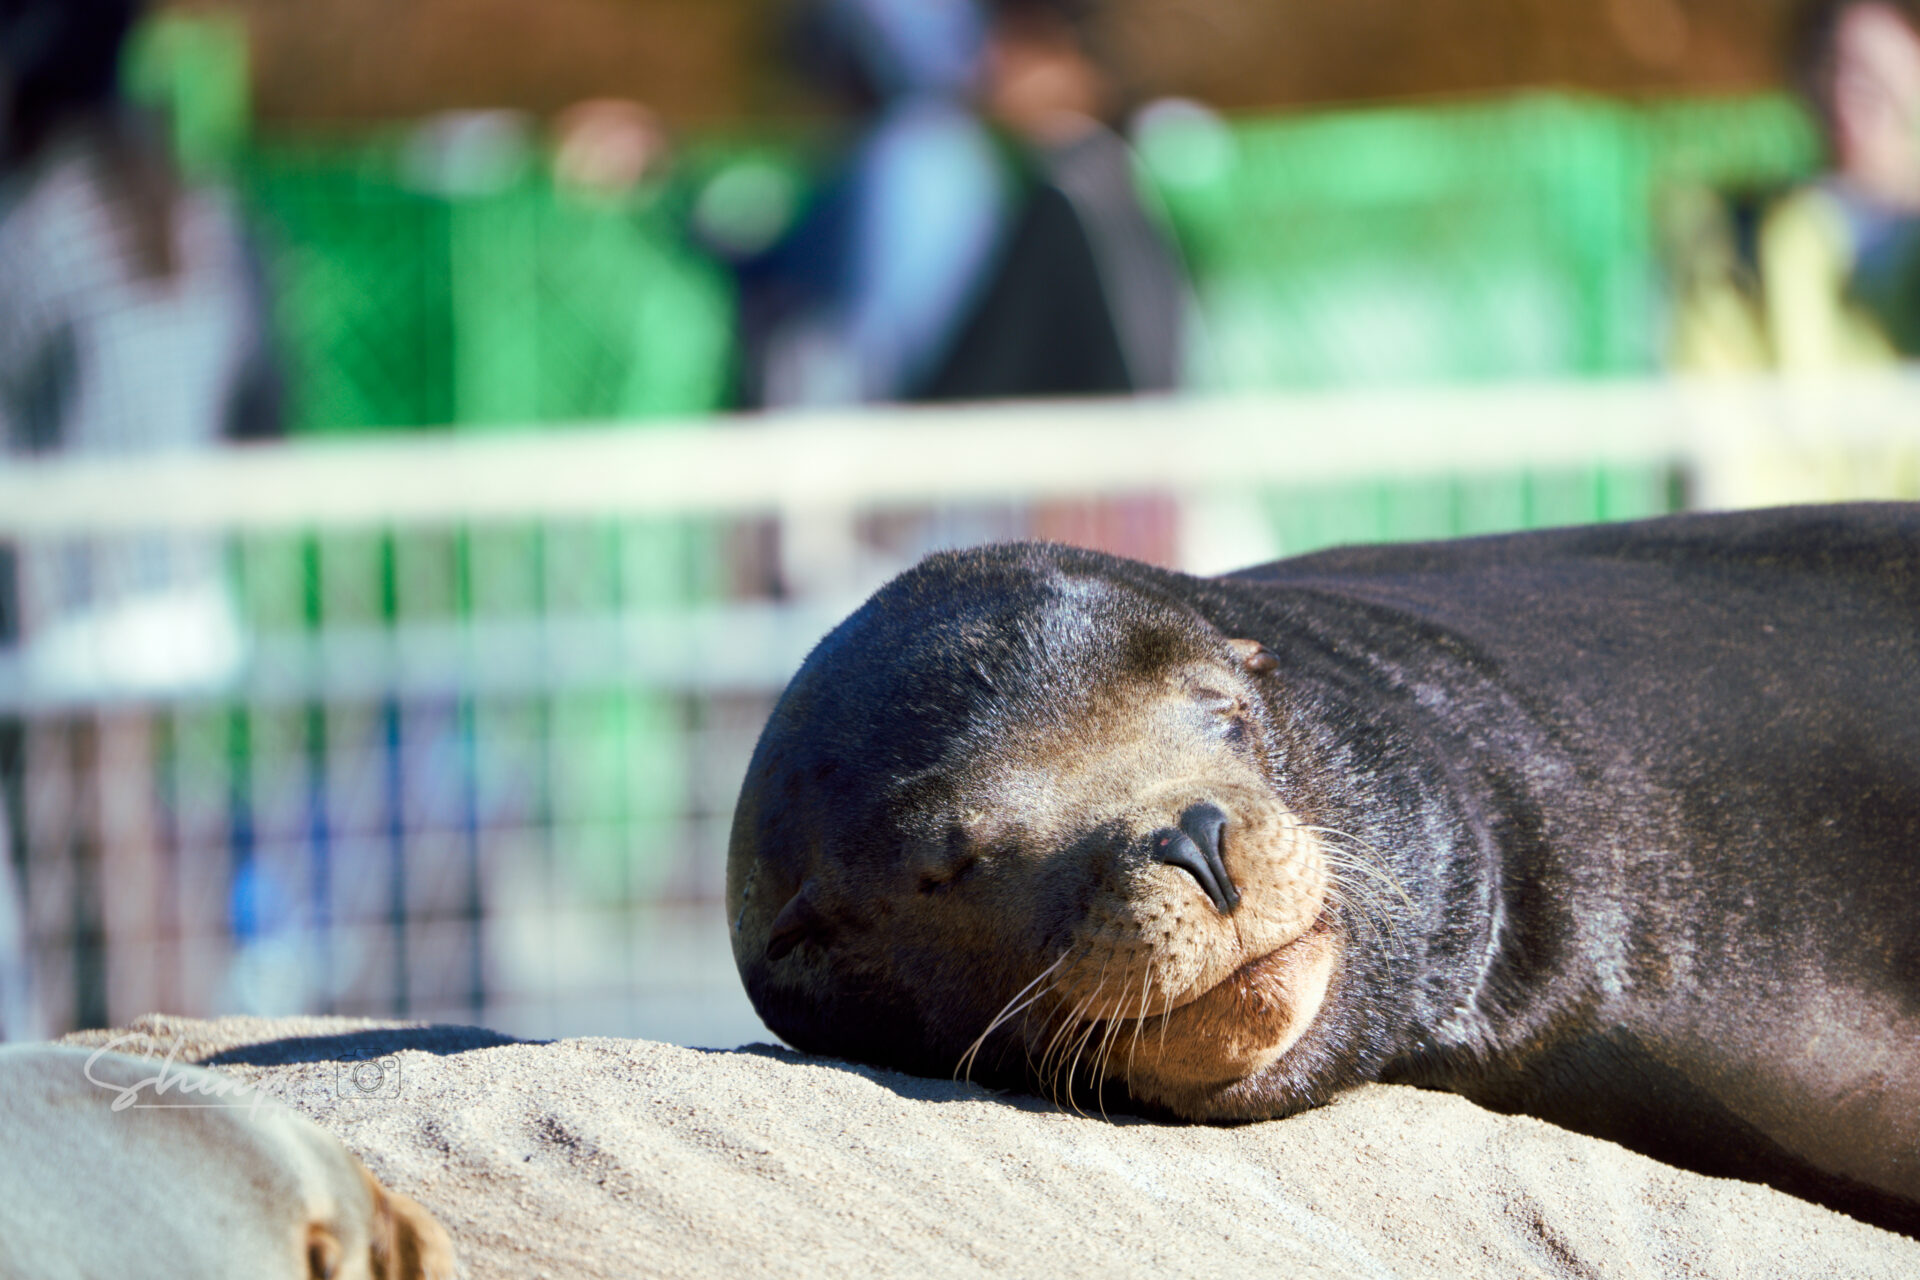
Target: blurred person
131, 313
861, 299
132, 318
1042, 321
1832, 277
1706, 241
608, 146
981, 239
1841, 259
1046, 83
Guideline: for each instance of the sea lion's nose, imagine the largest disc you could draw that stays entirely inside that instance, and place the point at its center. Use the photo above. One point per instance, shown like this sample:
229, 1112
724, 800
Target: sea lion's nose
1194, 847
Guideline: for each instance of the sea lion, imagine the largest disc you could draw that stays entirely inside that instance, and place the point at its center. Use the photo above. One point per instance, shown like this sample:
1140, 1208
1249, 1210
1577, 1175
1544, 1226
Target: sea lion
125, 1166
1616, 826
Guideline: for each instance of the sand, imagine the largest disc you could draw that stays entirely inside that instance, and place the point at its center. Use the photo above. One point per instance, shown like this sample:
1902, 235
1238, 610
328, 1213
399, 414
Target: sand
605, 1158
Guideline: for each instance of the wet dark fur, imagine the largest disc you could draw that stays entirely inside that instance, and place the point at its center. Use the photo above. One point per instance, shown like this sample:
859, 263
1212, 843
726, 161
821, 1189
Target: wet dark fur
1652, 791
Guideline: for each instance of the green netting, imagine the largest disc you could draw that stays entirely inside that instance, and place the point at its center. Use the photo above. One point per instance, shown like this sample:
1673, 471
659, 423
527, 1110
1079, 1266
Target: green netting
400, 307
1730, 142
362, 278
1492, 240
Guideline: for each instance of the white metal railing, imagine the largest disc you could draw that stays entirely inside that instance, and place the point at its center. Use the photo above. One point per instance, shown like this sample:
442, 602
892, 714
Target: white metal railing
774, 464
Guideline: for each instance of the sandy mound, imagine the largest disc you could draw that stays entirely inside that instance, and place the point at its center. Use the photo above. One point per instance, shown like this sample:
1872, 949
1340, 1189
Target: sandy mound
589, 1158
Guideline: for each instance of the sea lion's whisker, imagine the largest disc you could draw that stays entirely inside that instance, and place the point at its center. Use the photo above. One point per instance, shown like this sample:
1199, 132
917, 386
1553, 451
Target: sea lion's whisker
1049, 1077
1008, 1010
1080, 1007
1357, 845
1044, 1068
1356, 902
1133, 1045
1358, 841
1113, 1020
1056, 1047
1103, 1060
1008, 1013
1368, 879
1027, 1038
1133, 1041
1073, 1068
1082, 1012
1109, 1041
964, 1068
1086, 1034
1363, 902
1056, 1052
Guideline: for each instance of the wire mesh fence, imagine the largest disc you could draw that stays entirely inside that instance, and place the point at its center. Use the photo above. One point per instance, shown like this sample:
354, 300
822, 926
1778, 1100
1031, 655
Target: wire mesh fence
396, 771
452, 729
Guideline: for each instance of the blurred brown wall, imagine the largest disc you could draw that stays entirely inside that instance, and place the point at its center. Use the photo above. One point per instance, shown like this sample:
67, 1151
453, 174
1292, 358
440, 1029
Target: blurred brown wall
328, 60
1270, 52
323, 61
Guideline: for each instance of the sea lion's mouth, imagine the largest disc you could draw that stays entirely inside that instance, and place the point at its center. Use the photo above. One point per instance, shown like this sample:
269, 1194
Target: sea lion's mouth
1240, 1025
1263, 965
1257, 977
1267, 978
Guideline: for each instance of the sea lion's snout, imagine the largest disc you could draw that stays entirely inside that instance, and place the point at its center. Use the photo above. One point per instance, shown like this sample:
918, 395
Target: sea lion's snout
1194, 847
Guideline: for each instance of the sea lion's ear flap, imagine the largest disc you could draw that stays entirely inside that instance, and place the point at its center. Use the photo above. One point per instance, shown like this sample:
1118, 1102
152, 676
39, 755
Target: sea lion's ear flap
798, 921
1253, 656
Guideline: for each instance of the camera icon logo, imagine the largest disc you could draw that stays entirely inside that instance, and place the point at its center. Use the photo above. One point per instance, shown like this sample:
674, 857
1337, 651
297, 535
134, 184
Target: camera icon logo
369, 1077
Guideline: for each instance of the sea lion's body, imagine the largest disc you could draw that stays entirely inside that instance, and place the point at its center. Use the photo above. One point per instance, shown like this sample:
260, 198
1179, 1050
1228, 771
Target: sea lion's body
1617, 826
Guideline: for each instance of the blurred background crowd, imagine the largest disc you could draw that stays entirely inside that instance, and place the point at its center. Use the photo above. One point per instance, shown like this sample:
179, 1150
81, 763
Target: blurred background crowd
480, 768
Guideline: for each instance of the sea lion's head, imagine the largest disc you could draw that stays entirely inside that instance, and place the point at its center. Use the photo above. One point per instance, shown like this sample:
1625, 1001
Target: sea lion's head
1020, 815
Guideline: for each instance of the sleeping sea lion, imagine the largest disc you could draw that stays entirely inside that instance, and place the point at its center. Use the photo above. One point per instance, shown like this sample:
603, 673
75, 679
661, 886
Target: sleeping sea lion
1616, 826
